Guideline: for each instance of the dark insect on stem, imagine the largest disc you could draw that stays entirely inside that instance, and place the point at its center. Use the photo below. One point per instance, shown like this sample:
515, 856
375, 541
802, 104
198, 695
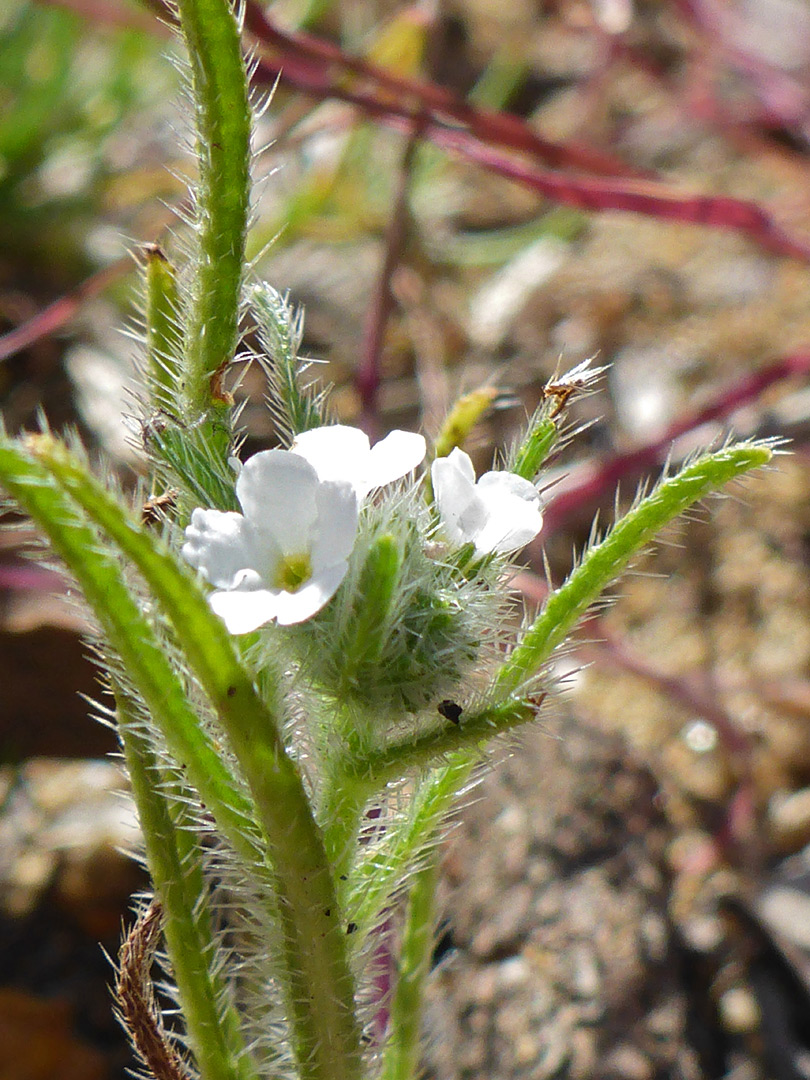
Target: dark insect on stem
450, 710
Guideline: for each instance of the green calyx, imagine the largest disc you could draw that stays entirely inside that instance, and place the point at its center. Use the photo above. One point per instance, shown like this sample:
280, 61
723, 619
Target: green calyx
403, 629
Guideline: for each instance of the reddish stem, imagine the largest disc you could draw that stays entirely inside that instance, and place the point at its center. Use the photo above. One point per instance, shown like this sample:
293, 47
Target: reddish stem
784, 98
322, 70
652, 198
61, 311
330, 70
585, 192
367, 377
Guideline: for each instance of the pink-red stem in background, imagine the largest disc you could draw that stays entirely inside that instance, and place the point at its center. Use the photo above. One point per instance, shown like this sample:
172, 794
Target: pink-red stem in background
367, 378
588, 484
54, 317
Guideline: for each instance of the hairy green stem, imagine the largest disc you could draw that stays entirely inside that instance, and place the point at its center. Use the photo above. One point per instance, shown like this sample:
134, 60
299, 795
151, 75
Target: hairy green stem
401, 1053
219, 90
536, 447
380, 765
372, 883
340, 812
211, 1021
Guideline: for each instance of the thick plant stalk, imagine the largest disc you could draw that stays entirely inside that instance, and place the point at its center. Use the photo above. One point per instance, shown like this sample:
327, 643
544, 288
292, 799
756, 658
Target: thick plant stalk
213, 1025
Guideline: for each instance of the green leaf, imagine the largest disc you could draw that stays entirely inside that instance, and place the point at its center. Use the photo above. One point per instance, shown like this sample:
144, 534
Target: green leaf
101, 579
603, 562
164, 347
401, 1051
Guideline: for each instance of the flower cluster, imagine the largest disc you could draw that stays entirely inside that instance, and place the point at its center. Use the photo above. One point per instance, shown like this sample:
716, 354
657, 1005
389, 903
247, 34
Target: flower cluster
284, 557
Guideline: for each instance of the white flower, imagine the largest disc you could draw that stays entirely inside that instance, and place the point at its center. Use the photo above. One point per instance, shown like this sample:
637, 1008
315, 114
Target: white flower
499, 513
338, 452
286, 554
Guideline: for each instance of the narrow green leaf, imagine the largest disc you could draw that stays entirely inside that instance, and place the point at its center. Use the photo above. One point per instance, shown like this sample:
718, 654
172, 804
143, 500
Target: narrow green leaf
536, 447
401, 1051
373, 882
376, 592
371, 768
297, 405
602, 563
164, 347
130, 635
376, 766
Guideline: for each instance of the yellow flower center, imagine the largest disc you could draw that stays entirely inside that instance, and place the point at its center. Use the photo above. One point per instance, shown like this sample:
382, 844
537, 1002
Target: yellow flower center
293, 571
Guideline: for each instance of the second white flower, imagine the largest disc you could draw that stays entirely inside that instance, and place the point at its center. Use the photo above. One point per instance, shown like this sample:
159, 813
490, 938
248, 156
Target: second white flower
499, 513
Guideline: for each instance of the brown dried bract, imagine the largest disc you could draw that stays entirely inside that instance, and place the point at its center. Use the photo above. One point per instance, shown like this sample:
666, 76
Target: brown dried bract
561, 393
218, 392
136, 999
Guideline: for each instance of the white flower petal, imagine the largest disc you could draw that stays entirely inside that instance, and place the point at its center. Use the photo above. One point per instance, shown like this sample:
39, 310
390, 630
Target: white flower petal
288, 512
511, 482
339, 452
462, 463
219, 545
248, 581
276, 490
307, 601
243, 611
459, 507
511, 522
335, 531
395, 456
473, 521
336, 452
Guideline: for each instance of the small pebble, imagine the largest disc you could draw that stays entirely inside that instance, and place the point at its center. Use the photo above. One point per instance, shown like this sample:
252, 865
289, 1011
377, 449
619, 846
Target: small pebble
789, 816
739, 1010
